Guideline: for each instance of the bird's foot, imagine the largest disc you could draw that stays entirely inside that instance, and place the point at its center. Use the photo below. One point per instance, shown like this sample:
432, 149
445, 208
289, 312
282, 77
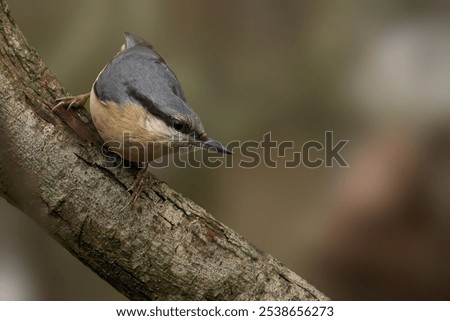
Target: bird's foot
72, 101
138, 185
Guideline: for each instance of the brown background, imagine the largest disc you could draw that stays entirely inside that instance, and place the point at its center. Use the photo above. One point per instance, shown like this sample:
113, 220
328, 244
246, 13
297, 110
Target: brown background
374, 72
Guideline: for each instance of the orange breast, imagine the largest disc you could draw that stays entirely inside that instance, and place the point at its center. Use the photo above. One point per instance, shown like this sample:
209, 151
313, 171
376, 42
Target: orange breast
123, 129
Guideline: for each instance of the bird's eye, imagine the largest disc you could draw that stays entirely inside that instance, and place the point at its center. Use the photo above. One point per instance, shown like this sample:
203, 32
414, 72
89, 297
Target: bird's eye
177, 125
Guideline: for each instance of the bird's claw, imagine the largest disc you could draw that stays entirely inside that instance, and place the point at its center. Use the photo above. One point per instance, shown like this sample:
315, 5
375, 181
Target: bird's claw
137, 186
71, 101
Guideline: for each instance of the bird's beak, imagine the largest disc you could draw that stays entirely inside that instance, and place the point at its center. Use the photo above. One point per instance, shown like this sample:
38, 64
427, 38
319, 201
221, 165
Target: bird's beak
215, 145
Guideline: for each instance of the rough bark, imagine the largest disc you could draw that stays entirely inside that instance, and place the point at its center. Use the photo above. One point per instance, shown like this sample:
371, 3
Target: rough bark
164, 248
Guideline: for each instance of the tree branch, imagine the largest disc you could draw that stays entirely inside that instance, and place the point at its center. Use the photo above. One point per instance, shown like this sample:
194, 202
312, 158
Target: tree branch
165, 248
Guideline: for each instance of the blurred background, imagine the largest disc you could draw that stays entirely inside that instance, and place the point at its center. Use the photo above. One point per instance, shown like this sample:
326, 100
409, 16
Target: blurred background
374, 72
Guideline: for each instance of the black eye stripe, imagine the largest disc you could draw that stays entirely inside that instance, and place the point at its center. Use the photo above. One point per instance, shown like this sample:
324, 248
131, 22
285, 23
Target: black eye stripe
150, 105
154, 110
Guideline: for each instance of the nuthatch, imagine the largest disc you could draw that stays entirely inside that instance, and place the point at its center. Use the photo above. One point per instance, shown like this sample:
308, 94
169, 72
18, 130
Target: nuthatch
139, 108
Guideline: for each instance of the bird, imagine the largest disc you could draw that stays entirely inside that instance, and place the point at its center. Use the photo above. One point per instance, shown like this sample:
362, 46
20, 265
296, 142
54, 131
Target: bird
140, 110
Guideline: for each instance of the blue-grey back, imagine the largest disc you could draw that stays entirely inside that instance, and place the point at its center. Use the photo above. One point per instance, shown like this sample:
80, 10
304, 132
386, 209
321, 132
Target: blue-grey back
139, 74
